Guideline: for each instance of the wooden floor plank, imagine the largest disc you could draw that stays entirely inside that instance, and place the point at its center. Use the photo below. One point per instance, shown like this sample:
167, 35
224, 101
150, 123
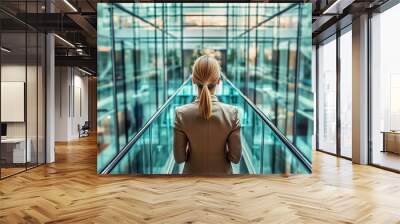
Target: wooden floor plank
70, 191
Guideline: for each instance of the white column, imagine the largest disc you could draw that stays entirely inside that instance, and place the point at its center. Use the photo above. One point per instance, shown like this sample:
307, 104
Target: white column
314, 90
360, 90
50, 99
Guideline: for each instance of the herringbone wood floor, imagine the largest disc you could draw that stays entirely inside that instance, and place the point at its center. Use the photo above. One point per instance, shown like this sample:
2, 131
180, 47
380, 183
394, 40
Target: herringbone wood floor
70, 191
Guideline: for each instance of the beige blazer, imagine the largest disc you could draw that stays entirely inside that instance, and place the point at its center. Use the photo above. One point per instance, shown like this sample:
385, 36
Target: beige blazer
207, 146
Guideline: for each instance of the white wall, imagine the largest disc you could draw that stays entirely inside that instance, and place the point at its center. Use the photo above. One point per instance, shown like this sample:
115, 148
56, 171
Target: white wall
34, 125
10, 73
61, 103
71, 94
79, 117
16, 72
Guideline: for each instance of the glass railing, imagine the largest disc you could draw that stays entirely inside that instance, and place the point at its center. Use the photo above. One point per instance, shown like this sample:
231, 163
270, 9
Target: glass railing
264, 149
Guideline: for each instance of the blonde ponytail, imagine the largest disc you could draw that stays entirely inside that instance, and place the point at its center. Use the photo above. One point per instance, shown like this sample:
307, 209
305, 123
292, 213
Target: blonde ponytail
206, 74
205, 102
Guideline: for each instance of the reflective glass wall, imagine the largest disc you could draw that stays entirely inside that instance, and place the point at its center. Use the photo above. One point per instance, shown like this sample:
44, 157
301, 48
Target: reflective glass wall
334, 94
327, 95
269, 59
146, 50
139, 64
346, 93
22, 89
385, 90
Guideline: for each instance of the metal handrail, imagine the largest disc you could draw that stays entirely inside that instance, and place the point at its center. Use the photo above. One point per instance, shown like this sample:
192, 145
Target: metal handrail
107, 169
276, 131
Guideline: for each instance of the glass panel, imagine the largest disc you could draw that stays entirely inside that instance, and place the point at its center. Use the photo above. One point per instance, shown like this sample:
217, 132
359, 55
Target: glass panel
32, 98
265, 49
327, 96
22, 81
269, 59
140, 46
32, 86
13, 84
41, 99
263, 152
314, 85
106, 113
152, 153
304, 110
385, 85
346, 94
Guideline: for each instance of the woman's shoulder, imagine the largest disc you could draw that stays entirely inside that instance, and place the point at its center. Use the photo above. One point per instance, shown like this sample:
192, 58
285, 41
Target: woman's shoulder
230, 108
185, 108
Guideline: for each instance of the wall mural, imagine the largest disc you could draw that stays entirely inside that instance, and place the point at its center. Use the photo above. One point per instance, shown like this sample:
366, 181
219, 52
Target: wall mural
160, 65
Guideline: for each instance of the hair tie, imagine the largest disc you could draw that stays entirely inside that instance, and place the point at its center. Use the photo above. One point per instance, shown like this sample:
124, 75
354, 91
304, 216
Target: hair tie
209, 86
